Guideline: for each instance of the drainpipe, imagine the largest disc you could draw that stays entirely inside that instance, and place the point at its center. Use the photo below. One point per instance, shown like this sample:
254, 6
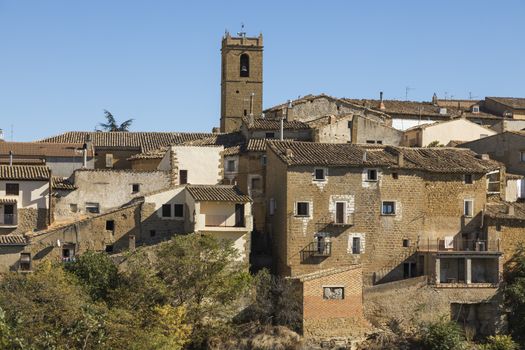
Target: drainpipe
50, 206
84, 154
282, 129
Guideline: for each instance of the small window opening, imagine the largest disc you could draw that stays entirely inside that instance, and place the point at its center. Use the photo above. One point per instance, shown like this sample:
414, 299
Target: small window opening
244, 65
320, 174
135, 188
333, 293
109, 248
371, 175
110, 225
179, 210
468, 178
395, 176
152, 233
388, 208
166, 210
303, 209
270, 135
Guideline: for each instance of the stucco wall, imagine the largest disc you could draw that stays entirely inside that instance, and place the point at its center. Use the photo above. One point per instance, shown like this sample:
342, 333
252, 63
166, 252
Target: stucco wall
65, 167
370, 130
32, 194
109, 188
459, 129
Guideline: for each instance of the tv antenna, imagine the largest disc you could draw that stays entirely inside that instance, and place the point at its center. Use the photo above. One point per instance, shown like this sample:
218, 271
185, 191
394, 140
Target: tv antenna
407, 89
470, 97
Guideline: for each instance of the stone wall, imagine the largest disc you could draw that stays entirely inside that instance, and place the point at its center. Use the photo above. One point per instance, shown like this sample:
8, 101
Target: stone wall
88, 234
29, 220
326, 318
120, 157
145, 164
413, 301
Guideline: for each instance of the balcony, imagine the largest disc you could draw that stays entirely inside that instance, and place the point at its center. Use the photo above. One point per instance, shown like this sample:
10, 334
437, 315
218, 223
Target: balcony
316, 250
459, 245
8, 220
211, 220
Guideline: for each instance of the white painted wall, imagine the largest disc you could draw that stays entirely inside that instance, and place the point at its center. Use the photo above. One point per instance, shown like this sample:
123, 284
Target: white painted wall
403, 124
202, 163
457, 129
32, 194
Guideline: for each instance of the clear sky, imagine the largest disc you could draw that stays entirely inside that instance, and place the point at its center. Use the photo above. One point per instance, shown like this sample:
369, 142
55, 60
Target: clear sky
63, 62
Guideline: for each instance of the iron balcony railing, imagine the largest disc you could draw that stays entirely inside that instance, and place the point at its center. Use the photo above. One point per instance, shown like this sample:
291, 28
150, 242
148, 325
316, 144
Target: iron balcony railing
322, 249
459, 245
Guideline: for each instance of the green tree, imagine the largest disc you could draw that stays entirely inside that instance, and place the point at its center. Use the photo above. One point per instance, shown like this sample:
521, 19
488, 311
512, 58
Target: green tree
112, 125
97, 272
202, 274
514, 293
441, 335
435, 144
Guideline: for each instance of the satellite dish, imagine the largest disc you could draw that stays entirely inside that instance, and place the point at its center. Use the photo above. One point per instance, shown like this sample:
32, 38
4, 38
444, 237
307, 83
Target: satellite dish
58, 243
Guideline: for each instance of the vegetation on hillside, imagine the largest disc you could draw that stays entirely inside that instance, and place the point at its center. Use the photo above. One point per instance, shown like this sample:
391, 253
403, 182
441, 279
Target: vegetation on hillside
184, 294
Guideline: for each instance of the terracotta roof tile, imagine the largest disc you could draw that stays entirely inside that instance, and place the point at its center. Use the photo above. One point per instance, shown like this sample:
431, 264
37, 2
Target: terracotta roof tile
441, 159
62, 183
501, 210
12, 240
217, 193
512, 102
38, 149
274, 124
145, 141
24, 172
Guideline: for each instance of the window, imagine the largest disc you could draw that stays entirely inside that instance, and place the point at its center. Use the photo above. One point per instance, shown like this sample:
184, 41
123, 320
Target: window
395, 176
109, 248
256, 184
244, 65
409, 270
371, 175
406, 243
135, 188
92, 208
498, 227
468, 208
110, 225
340, 213
179, 210
166, 210
109, 160
320, 174
12, 189
272, 206
349, 124
264, 160
73, 207
388, 208
522, 156
230, 165
468, 178
370, 141
303, 209
379, 142
356, 245
270, 135
493, 182
152, 233
183, 177
334, 293
25, 262
68, 253
475, 109
245, 113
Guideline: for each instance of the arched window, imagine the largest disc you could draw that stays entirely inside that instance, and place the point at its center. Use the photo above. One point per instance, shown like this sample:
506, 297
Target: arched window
245, 65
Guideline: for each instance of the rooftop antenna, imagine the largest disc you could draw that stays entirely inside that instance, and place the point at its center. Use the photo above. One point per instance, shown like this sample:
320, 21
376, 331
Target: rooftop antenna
470, 97
242, 33
407, 89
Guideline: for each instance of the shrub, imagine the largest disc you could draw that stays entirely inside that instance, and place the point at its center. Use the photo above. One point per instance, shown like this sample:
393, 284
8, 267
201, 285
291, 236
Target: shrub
500, 342
441, 335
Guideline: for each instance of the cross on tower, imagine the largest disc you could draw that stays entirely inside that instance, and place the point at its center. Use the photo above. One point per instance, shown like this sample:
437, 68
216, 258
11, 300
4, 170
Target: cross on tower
242, 33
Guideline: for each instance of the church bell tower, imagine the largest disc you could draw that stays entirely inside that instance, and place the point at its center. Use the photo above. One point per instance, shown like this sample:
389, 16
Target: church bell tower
241, 79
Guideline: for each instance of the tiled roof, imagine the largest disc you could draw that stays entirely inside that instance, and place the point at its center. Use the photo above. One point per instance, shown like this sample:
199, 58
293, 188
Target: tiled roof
158, 153
501, 210
38, 149
274, 124
7, 200
12, 240
24, 172
258, 145
440, 159
324, 273
62, 183
25, 161
217, 193
404, 107
512, 102
232, 142
145, 141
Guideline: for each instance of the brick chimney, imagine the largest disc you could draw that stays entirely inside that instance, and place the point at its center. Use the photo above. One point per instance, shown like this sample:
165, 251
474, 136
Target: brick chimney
381, 103
289, 112
400, 159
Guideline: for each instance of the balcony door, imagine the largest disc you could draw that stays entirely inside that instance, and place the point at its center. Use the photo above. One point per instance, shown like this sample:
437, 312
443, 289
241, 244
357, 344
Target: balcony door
9, 214
239, 215
340, 213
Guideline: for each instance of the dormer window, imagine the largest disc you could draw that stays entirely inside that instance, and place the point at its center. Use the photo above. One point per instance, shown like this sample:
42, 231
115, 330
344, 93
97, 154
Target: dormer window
475, 109
245, 65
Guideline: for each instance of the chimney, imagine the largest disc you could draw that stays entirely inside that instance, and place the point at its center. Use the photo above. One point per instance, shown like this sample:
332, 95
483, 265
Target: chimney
84, 155
252, 95
510, 210
400, 159
364, 156
10, 158
215, 130
289, 152
1, 135
381, 104
281, 129
131, 243
483, 156
289, 112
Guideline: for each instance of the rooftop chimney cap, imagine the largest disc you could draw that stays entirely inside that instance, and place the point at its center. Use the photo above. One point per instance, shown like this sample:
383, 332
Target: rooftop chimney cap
1, 135
510, 210
289, 152
364, 156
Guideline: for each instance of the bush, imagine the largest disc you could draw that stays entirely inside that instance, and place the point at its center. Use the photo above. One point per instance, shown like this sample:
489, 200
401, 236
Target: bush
441, 335
500, 342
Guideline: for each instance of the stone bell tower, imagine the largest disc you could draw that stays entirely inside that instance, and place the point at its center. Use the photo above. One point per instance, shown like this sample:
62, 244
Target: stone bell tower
241, 80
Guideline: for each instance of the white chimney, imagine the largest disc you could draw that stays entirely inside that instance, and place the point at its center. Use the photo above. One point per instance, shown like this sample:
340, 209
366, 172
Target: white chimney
10, 158
1, 135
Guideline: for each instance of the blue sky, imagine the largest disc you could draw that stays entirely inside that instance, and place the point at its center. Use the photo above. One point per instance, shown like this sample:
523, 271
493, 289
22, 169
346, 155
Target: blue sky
63, 62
